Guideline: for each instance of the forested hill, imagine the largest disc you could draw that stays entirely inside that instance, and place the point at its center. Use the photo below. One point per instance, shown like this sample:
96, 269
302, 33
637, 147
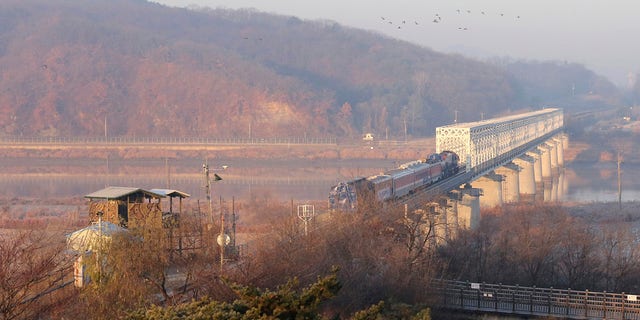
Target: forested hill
67, 65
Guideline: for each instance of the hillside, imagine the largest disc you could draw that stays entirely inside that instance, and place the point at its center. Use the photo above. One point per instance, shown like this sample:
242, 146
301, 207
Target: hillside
134, 68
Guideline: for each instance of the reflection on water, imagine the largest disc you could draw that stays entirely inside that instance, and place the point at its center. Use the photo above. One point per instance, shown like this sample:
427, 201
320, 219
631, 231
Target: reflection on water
301, 180
283, 181
600, 195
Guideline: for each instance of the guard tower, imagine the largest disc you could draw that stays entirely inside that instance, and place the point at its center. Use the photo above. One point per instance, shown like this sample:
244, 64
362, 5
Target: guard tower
125, 206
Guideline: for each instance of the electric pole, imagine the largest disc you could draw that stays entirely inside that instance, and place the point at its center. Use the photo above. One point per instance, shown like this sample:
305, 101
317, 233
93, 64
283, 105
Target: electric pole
619, 181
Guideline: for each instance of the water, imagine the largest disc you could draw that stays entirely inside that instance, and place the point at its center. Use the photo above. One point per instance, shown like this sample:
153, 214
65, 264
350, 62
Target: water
243, 180
302, 180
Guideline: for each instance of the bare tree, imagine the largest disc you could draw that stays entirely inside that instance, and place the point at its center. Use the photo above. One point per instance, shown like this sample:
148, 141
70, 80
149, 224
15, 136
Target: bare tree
620, 258
578, 261
32, 266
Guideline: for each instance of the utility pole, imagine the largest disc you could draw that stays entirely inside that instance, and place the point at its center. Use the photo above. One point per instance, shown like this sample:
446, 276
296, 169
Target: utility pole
233, 223
619, 181
166, 164
207, 188
405, 129
222, 237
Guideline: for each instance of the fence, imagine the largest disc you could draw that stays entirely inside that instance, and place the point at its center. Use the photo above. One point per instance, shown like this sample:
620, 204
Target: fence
167, 140
517, 300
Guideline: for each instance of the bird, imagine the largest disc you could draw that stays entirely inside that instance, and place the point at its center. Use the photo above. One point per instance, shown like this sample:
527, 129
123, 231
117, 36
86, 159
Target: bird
416, 22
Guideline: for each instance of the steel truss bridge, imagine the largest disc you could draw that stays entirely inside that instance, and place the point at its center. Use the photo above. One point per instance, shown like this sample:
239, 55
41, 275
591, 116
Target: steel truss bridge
486, 145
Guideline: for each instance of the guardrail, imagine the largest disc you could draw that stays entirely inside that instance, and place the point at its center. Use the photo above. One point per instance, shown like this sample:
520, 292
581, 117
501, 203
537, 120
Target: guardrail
533, 301
168, 140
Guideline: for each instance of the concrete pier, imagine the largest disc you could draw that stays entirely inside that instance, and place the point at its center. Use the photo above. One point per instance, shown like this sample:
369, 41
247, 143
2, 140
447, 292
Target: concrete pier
546, 161
510, 182
491, 185
536, 154
526, 177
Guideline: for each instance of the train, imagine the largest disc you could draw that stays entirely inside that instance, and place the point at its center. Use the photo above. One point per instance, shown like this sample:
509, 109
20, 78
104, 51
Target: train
394, 184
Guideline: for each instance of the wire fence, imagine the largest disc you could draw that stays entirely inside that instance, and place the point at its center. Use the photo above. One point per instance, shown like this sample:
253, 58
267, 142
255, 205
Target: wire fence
169, 140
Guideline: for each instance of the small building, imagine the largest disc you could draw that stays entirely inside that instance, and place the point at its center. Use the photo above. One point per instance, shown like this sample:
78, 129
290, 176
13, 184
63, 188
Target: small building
368, 136
126, 207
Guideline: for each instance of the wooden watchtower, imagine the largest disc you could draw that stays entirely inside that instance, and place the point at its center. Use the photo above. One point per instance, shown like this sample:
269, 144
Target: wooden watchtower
125, 206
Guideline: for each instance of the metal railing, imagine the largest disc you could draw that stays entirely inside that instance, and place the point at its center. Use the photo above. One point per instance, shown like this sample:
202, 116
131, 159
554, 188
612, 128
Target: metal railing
517, 300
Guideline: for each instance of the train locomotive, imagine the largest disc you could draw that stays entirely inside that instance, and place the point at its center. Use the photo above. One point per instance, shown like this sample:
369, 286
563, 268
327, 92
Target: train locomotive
347, 196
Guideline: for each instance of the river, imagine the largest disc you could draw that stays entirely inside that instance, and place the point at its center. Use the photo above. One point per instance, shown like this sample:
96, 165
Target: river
243, 180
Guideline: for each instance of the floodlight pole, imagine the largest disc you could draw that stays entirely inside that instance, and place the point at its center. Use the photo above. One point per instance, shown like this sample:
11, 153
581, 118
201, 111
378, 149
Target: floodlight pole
100, 213
221, 239
207, 185
222, 243
619, 181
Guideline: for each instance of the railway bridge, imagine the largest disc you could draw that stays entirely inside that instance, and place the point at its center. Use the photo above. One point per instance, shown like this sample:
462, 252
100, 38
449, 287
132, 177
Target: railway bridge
505, 159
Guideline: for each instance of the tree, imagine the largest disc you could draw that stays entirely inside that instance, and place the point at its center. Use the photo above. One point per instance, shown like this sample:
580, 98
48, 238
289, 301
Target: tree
253, 303
344, 119
578, 261
138, 268
620, 258
32, 265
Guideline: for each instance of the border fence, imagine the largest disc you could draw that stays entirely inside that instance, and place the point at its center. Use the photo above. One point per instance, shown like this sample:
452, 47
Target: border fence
168, 140
533, 301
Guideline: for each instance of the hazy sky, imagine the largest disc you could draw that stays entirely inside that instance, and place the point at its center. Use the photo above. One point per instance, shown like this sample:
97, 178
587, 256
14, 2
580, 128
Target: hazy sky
601, 34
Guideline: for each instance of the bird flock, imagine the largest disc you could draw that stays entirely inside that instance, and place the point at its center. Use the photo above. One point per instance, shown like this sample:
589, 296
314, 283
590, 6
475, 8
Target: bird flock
455, 17
437, 18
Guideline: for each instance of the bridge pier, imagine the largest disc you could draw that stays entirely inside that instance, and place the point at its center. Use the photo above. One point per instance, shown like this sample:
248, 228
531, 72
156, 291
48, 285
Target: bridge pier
553, 155
459, 210
467, 206
510, 182
526, 177
536, 154
560, 149
546, 161
564, 184
440, 215
491, 185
